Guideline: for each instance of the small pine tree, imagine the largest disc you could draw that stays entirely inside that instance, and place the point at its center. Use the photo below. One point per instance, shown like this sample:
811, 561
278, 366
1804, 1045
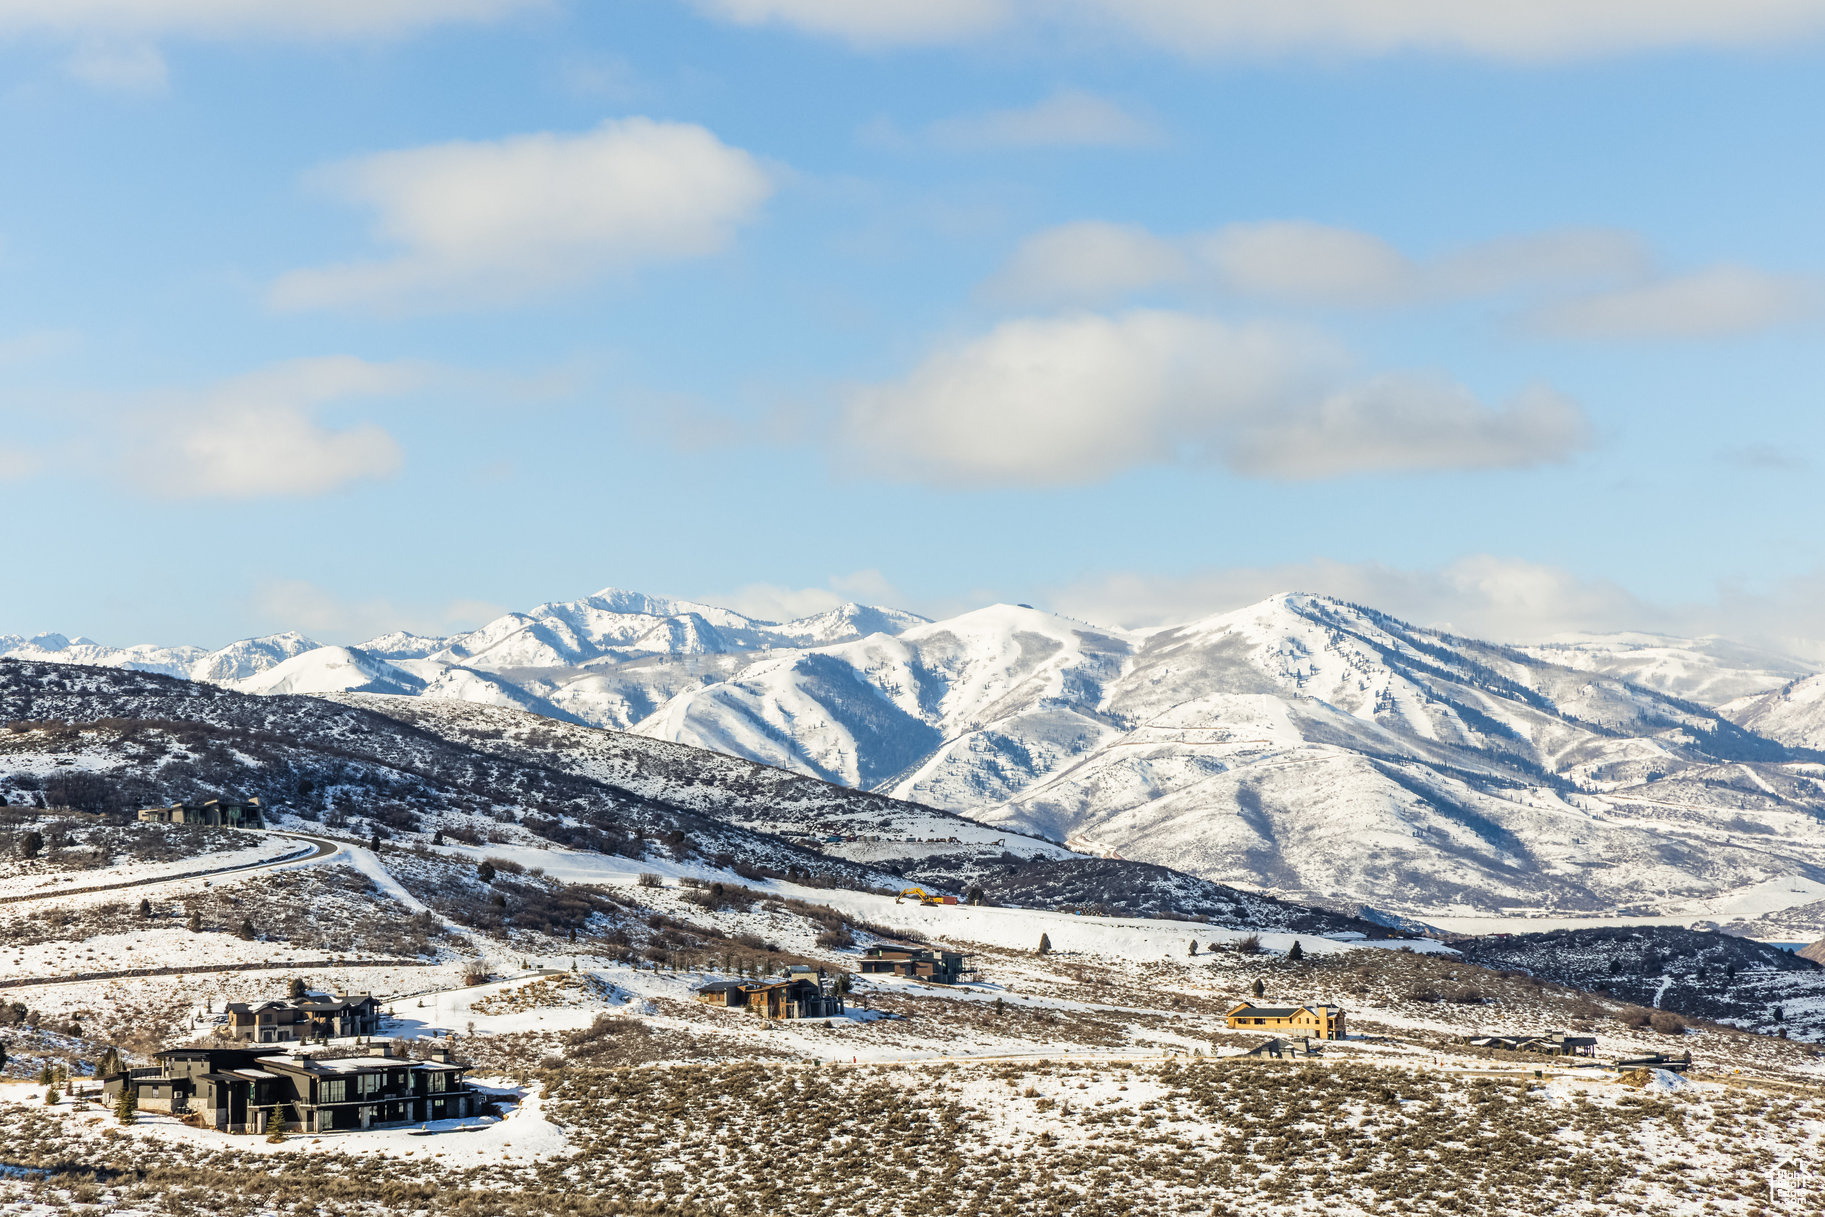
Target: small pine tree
126, 1107
31, 844
1045, 944
50, 1096
437, 838
45, 1076
296, 989
247, 931
275, 1123
485, 871
194, 923
145, 907
1295, 953
1260, 989
1194, 946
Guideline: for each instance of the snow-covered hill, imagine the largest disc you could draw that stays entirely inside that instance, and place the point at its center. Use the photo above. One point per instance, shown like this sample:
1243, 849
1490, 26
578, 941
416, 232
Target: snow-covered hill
608, 660
1794, 714
1708, 670
1304, 745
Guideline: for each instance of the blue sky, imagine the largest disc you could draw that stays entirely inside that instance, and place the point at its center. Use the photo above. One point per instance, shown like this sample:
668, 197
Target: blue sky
399, 313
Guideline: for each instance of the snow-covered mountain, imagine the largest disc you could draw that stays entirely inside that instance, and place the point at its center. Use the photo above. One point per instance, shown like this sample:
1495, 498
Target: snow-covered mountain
607, 660
1794, 714
1708, 670
1303, 745
236, 661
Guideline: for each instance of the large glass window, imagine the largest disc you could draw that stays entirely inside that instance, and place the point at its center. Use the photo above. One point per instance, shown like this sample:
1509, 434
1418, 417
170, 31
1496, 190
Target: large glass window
333, 1090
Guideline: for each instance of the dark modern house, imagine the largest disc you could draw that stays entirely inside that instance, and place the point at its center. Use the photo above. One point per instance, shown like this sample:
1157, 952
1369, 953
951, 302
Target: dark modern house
243, 1090
923, 963
1557, 1043
799, 995
317, 1016
223, 813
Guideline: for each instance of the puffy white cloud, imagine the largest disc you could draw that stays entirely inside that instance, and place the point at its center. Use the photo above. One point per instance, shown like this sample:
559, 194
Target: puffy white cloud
259, 435
1064, 400
328, 616
776, 602
1503, 599
1298, 260
1090, 261
1482, 596
114, 19
482, 223
1526, 30
871, 23
1301, 262
1513, 30
1069, 118
1403, 422
1716, 302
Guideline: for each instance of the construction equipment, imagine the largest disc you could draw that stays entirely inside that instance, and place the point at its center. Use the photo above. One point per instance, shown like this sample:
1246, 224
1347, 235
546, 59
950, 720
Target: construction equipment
925, 897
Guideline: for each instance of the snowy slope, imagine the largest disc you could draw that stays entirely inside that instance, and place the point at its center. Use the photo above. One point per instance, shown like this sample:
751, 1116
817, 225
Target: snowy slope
1793, 714
330, 670
1302, 744
236, 661
1708, 670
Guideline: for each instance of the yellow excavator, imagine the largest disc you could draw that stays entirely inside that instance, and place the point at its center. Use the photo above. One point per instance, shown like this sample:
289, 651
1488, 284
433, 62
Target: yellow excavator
924, 896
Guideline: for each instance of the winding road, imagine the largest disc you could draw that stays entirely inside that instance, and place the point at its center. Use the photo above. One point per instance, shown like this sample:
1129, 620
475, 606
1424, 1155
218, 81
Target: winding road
315, 848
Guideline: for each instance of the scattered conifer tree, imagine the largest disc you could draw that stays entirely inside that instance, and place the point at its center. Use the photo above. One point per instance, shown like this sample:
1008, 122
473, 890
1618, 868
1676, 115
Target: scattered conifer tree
1260, 989
31, 844
1295, 953
485, 871
145, 907
1045, 944
247, 931
194, 923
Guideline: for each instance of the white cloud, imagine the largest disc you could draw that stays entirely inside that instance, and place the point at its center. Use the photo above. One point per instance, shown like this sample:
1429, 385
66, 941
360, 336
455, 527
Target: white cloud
1089, 261
1408, 422
327, 616
774, 602
1301, 262
1069, 118
483, 223
1067, 400
129, 68
1503, 599
1512, 30
870, 23
1716, 302
259, 435
1524, 30
1481, 596
115, 19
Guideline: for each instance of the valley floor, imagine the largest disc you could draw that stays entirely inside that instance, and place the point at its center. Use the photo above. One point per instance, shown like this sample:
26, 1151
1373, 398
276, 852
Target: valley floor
1099, 1077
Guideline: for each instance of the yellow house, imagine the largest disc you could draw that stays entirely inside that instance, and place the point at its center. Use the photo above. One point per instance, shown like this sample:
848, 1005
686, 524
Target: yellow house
1319, 1022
